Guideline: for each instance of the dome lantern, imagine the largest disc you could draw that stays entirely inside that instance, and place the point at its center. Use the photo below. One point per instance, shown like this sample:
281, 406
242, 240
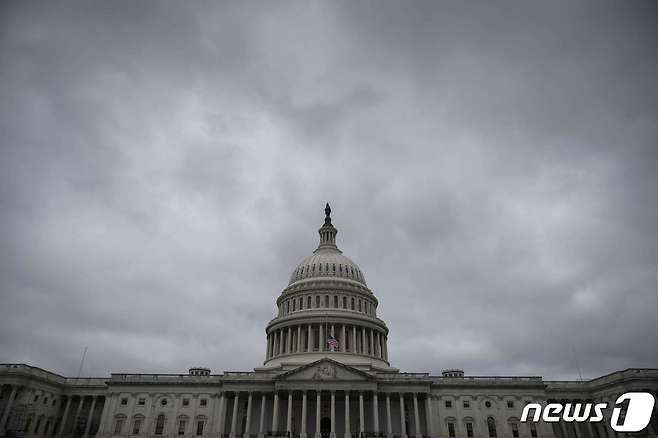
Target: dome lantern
327, 232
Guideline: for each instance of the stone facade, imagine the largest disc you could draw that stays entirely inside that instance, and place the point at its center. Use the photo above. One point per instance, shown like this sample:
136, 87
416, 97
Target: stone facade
326, 374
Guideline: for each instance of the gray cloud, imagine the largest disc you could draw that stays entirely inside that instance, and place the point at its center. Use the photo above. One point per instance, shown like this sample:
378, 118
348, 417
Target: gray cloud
491, 168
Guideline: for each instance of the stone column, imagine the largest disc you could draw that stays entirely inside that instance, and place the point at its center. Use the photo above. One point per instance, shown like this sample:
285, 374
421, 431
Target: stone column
289, 340
322, 340
354, 348
104, 414
275, 349
342, 339
299, 338
364, 343
347, 414
66, 414
10, 402
77, 413
317, 414
210, 424
261, 422
333, 413
309, 339
289, 417
34, 425
417, 418
222, 414
375, 408
389, 426
428, 414
403, 426
303, 433
234, 415
275, 412
247, 426
362, 428
372, 343
90, 417
178, 404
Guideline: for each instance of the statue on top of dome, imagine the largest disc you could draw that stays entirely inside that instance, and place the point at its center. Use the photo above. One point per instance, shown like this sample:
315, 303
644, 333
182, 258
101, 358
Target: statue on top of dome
327, 212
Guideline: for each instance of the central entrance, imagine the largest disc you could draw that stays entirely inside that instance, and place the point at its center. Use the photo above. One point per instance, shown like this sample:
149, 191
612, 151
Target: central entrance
325, 427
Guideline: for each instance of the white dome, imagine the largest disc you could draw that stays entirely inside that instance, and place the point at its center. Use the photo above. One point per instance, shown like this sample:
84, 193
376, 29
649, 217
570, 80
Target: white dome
327, 262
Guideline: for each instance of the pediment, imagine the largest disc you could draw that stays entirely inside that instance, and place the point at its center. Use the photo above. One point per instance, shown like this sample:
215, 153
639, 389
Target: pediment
326, 370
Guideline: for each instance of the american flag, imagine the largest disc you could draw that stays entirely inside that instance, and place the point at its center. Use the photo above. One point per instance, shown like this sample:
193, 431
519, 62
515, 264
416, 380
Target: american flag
332, 342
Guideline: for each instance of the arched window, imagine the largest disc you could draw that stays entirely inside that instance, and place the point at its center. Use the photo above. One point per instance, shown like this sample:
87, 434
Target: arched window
200, 424
308, 302
301, 303
119, 421
491, 425
159, 424
344, 302
468, 426
352, 303
451, 429
183, 420
138, 420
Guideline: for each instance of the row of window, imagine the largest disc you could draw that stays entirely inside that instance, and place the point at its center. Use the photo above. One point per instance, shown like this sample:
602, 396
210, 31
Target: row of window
329, 301
142, 401
138, 423
469, 427
45, 400
467, 404
327, 269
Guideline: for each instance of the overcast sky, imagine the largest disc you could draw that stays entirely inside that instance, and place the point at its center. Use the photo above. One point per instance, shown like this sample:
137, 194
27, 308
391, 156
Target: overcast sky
492, 168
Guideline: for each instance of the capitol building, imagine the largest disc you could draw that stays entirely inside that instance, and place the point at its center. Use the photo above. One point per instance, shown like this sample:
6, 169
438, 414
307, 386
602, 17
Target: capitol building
327, 373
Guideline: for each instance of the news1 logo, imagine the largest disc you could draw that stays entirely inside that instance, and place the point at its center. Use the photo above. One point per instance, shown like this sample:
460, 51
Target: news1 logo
638, 412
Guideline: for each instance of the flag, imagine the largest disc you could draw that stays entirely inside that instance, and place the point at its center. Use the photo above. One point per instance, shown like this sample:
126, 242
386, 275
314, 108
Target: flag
332, 342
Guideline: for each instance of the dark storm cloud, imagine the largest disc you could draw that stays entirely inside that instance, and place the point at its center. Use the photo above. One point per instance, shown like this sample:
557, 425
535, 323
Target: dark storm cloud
491, 168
